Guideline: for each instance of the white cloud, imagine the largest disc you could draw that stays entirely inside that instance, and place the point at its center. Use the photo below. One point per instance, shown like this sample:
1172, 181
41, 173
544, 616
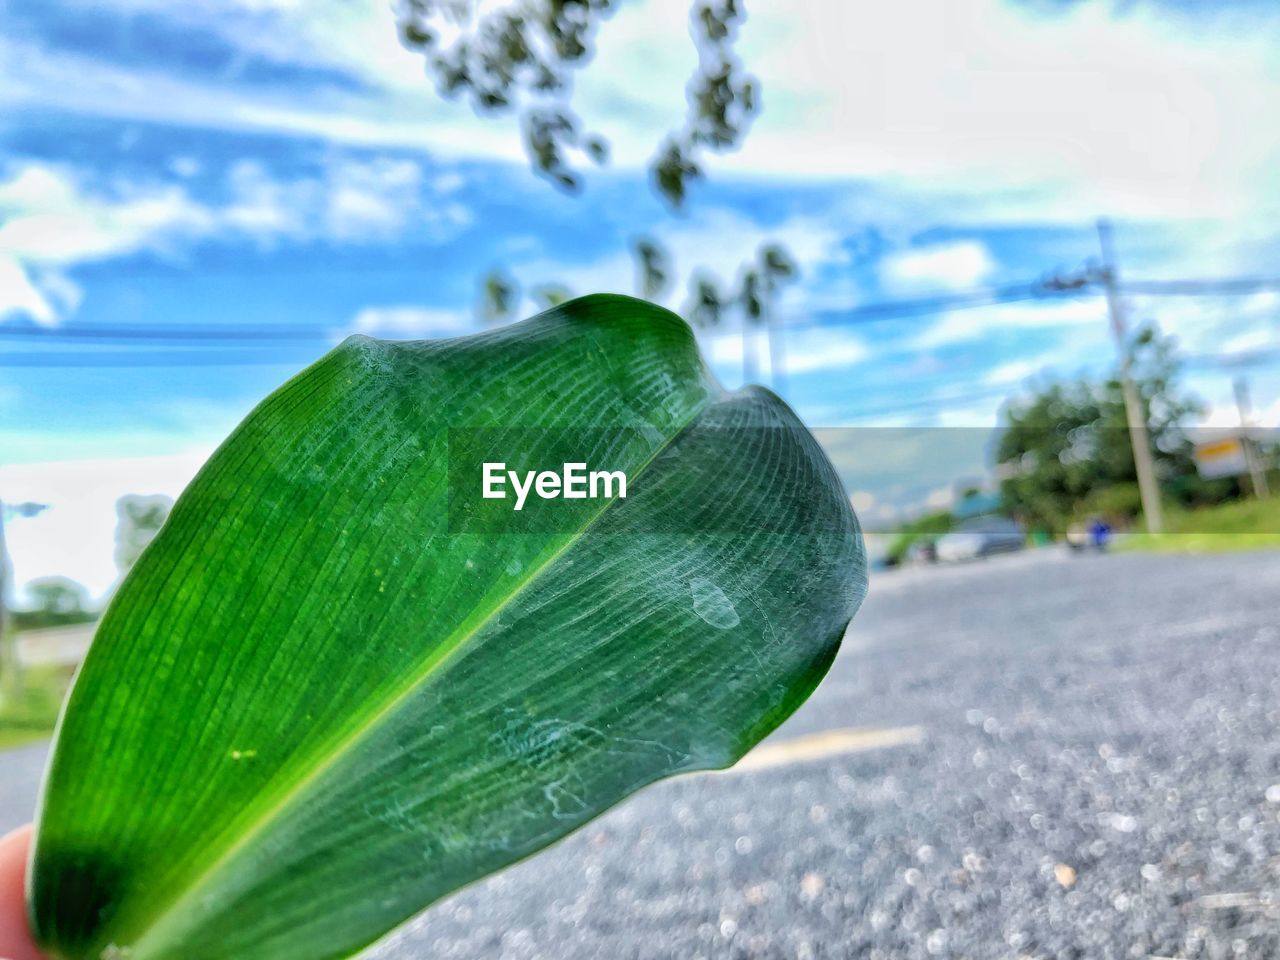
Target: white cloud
805, 350
1011, 371
813, 349
410, 321
1220, 416
19, 296
75, 537
60, 290
1141, 113
974, 324
450, 181
993, 105
349, 201
401, 109
36, 187
1255, 338
55, 216
941, 499
185, 167
49, 218
1215, 387
714, 240
1214, 325
983, 414
946, 266
379, 198
52, 219
1268, 416
724, 350
1017, 370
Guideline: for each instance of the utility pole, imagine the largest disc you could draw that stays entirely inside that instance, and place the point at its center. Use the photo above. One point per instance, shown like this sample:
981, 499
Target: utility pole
1134, 414
1257, 475
777, 353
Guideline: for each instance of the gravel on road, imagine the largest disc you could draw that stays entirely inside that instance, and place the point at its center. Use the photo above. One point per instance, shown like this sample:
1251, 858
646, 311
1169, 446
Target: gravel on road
1099, 777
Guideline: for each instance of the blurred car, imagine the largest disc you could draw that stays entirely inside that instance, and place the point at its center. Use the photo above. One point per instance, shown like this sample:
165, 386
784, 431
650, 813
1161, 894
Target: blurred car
922, 551
981, 537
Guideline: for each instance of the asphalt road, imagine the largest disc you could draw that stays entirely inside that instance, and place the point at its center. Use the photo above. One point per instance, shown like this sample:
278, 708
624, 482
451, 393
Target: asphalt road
1086, 765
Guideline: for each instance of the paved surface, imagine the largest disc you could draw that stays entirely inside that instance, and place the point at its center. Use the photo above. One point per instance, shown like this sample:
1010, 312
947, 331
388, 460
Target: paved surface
56, 645
1099, 777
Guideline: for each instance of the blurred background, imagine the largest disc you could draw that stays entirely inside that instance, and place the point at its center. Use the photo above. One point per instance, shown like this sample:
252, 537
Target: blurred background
1016, 262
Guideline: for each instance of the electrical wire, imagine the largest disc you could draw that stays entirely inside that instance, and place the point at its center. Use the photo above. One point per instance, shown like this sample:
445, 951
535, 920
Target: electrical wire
87, 331
146, 358
1225, 286
863, 313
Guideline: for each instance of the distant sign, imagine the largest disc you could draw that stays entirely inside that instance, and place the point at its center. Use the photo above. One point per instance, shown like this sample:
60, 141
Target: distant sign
1221, 458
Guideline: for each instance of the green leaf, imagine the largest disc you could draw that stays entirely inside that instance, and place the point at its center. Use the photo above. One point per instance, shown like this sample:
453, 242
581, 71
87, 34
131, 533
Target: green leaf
340, 684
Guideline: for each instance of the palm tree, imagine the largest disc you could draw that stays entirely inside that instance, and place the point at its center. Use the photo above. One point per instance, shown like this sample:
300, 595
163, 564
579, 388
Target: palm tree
773, 266
653, 267
777, 267
705, 307
499, 297
550, 295
751, 297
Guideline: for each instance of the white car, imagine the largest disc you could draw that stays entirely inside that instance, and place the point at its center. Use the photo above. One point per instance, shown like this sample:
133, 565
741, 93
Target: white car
981, 537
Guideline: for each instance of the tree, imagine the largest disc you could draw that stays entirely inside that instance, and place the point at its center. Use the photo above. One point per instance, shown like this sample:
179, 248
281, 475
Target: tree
550, 295
499, 301
760, 281
10, 667
1066, 451
499, 297
139, 519
926, 528
653, 268
1047, 455
776, 267
706, 303
520, 58
58, 597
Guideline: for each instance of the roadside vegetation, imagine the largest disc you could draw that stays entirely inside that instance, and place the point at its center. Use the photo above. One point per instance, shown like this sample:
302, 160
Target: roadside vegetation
926, 528
1065, 463
1240, 525
1066, 460
31, 714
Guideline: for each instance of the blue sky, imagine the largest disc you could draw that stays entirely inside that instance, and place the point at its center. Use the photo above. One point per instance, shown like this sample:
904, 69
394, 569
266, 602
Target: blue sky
279, 162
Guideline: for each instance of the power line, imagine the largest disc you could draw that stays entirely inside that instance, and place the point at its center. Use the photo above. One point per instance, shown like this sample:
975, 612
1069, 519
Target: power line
892, 309
1083, 284
1043, 289
943, 303
1049, 288
158, 333
1225, 286
148, 358
1242, 358
926, 403
229, 358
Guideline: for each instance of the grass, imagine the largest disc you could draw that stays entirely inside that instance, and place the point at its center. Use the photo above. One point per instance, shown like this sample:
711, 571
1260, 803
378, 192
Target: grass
1240, 525
32, 715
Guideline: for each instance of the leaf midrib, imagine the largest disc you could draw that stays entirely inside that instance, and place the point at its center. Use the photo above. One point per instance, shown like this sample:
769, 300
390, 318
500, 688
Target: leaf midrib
152, 932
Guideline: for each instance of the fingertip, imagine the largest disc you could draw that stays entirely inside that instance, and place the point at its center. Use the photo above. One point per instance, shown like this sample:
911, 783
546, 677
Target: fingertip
15, 934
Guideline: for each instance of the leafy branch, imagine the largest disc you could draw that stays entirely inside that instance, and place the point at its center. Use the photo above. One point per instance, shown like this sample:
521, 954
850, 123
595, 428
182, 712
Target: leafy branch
521, 58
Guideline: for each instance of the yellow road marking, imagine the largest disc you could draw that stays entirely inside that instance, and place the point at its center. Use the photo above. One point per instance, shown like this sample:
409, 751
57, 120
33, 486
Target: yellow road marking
829, 743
